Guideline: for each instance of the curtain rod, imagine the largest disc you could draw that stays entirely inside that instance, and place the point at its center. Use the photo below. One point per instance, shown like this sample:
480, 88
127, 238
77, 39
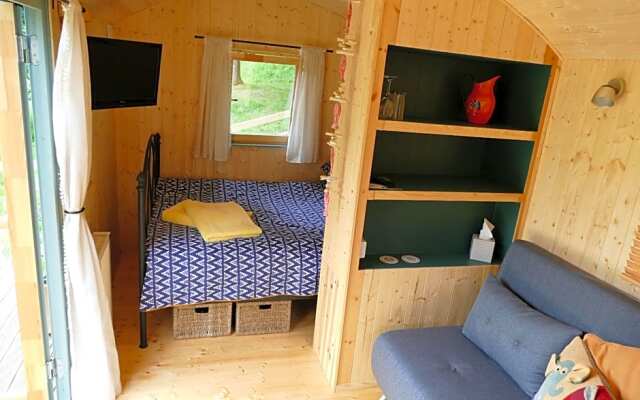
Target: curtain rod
287, 46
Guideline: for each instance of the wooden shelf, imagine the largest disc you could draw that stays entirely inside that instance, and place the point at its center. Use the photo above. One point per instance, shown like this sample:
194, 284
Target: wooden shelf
454, 130
446, 188
415, 195
427, 261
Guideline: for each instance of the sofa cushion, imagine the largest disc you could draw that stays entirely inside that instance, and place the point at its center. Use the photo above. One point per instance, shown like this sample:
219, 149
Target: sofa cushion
437, 364
564, 292
519, 338
619, 364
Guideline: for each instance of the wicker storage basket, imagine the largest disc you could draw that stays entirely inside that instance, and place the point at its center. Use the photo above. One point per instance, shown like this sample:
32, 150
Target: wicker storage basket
260, 317
202, 320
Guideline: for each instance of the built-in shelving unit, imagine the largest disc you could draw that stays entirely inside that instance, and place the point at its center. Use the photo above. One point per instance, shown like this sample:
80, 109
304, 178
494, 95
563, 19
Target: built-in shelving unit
444, 175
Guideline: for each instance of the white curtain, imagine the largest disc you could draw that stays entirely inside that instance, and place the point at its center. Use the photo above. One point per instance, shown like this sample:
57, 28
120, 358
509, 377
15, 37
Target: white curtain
304, 130
95, 373
213, 139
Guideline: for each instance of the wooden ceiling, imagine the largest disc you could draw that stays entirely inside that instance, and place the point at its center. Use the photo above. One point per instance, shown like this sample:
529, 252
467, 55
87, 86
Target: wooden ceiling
112, 10
586, 28
574, 28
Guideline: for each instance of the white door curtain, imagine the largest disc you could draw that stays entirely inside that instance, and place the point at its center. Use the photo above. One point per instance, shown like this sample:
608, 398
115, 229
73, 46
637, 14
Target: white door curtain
306, 113
95, 373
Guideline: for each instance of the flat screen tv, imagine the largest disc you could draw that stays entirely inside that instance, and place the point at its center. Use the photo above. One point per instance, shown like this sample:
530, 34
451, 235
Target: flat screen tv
123, 73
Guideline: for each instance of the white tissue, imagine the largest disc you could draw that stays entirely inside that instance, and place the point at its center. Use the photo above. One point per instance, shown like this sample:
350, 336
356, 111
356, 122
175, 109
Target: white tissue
485, 232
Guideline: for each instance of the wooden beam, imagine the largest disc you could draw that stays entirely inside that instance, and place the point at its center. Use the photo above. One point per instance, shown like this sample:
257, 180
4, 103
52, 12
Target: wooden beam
386, 32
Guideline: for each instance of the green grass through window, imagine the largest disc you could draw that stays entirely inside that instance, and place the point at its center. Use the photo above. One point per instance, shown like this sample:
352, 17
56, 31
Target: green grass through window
262, 98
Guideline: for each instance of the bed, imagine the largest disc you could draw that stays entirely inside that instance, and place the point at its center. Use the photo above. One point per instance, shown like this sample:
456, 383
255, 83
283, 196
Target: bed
178, 268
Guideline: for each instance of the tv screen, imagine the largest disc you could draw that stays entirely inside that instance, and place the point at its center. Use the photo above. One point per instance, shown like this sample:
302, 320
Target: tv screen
123, 73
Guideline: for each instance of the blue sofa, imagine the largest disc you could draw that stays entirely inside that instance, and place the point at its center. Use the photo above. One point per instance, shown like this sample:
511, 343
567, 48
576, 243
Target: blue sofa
441, 363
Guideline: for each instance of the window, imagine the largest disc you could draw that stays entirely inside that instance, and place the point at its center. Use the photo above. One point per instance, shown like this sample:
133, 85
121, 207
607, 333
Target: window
261, 95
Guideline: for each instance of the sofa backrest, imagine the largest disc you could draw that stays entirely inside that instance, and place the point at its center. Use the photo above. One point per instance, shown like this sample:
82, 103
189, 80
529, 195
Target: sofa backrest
562, 291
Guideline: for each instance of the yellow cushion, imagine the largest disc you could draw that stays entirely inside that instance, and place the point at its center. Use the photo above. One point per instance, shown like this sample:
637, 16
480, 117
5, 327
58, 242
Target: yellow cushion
178, 215
221, 221
619, 364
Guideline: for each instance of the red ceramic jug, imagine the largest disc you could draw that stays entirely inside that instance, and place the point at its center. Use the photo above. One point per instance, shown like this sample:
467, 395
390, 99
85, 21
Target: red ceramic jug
481, 102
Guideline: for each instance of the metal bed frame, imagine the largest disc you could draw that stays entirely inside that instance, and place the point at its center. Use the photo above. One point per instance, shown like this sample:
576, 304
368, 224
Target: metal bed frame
146, 185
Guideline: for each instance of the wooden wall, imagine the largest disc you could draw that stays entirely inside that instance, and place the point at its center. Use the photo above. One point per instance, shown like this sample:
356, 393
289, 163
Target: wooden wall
410, 298
343, 192
479, 27
101, 202
381, 300
174, 23
586, 202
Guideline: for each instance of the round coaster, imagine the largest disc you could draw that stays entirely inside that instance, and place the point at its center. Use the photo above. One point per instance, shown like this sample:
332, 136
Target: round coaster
389, 260
409, 259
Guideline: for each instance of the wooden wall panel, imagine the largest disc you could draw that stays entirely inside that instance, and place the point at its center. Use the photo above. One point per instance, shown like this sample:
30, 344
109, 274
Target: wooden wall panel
485, 28
174, 23
479, 27
101, 202
411, 298
586, 202
340, 224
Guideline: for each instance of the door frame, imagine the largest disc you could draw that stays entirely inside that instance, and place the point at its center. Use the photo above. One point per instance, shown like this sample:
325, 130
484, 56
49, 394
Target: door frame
34, 46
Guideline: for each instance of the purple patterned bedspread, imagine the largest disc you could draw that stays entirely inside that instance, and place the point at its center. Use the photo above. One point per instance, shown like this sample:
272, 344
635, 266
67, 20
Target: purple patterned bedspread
283, 261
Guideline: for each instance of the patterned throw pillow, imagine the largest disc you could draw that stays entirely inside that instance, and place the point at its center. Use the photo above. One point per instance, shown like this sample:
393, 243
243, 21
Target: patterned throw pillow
573, 376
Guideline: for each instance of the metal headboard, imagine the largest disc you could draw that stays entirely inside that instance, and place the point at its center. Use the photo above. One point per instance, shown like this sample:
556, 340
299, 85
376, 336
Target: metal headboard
147, 182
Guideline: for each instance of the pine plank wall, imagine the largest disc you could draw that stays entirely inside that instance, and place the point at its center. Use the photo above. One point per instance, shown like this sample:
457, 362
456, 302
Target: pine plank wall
586, 202
120, 135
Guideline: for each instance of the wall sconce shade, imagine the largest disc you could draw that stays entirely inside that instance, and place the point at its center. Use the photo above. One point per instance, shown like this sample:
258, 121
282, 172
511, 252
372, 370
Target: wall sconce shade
607, 94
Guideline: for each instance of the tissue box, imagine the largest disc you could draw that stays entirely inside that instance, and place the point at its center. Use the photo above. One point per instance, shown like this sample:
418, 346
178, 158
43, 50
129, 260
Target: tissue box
481, 249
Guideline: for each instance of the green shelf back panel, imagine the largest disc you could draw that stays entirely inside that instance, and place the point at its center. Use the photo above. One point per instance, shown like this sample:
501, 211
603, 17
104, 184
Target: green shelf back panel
505, 217
439, 229
437, 84
507, 162
398, 153
452, 163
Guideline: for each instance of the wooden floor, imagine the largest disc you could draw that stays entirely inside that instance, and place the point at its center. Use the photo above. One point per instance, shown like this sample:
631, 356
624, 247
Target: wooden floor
12, 382
281, 366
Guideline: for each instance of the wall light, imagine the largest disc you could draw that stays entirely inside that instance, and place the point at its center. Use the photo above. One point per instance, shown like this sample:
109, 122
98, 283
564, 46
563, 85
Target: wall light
607, 94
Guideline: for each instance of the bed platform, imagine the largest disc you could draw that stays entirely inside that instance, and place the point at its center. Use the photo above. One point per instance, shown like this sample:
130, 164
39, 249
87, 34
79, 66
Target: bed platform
178, 268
